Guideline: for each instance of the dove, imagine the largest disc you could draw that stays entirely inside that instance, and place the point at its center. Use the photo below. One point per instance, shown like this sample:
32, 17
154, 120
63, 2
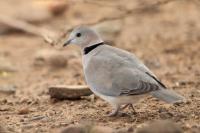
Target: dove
116, 75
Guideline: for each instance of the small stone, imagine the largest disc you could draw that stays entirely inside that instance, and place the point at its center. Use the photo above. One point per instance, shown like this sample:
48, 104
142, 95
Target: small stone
35, 118
21, 120
166, 115
28, 126
23, 111
195, 93
195, 129
3, 101
4, 108
184, 83
8, 89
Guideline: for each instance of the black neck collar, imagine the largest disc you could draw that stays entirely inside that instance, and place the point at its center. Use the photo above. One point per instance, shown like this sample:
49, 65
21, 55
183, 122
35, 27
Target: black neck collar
90, 48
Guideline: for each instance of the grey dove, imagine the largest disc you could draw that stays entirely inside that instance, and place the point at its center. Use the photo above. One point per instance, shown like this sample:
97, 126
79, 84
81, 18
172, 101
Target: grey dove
115, 75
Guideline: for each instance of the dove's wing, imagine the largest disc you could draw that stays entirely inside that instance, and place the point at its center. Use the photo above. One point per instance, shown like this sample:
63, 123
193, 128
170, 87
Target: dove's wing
130, 58
115, 72
132, 81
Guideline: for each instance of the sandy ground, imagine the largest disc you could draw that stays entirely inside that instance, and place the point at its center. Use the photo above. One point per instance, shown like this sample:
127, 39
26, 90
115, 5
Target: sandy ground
166, 39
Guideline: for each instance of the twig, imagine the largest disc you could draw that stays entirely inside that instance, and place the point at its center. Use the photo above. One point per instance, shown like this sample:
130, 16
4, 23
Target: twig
47, 35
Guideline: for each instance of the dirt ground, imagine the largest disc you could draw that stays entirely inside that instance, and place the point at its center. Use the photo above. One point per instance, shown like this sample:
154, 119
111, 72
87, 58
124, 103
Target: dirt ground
166, 38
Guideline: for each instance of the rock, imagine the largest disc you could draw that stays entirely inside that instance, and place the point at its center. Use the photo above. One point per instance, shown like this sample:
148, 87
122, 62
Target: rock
52, 58
4, 108
23, 111
9, 89
195, 93
160, 126
195, 129
87, 129
37, 117
69, 92
27, 126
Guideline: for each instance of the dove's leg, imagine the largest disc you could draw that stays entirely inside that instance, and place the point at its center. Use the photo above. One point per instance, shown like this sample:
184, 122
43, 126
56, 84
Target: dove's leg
133, 109
125, 106
131, 105
115, 111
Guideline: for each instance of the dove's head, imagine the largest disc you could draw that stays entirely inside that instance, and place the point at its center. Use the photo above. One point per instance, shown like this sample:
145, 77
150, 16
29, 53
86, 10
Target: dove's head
83, 37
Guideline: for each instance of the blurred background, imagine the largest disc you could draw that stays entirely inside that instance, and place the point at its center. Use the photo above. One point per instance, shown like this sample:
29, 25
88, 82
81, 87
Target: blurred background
164, 34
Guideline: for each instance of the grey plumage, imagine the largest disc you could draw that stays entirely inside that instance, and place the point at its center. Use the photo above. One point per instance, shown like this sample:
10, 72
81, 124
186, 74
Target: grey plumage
116, 75
168, 96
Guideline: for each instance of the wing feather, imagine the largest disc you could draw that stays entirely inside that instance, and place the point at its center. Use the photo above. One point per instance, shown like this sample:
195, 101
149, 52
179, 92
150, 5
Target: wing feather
143, 88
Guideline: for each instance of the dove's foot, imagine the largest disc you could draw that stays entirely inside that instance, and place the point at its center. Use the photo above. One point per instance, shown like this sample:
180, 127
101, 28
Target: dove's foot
130, 106
114, 112
117, 114
124, 107
133, 109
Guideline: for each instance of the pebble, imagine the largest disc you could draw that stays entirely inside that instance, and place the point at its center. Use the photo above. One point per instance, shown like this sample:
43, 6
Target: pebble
4, 108
8, 89
23, 111
28, 126
36, 118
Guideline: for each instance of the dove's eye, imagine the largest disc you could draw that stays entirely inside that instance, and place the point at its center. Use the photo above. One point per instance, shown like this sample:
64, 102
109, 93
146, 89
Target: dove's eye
78, 35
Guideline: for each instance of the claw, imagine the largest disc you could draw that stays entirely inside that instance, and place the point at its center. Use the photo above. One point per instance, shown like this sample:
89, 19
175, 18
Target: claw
128, 105
124, 107
131, 105
114, 112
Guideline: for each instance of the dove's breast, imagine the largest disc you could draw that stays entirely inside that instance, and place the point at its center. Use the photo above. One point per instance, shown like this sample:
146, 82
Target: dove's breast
97, 72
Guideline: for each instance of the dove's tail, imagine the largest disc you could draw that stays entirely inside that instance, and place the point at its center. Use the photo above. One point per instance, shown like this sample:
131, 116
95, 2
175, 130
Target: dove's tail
168, 96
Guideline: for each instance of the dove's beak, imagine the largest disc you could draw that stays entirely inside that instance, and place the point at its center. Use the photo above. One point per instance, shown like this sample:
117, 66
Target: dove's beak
67, 42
